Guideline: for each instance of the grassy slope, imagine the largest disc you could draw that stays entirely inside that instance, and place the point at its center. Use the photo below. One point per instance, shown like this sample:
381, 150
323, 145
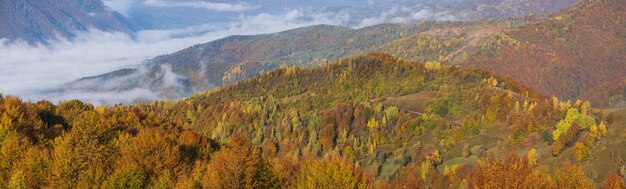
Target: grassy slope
610, 154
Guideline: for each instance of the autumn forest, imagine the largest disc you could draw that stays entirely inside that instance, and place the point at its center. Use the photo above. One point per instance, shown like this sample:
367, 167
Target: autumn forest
506, 105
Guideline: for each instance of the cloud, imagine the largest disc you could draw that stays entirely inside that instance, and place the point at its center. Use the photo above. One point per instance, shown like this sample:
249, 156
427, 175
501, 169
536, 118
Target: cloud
406, 15
37, 72
142, 83
232, 7
31, 72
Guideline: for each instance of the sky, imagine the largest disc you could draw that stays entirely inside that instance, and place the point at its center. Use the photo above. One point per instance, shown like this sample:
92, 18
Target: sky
170, 26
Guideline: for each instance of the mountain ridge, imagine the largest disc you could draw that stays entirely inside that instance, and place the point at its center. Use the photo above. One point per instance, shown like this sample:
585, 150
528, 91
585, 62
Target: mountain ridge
43, 21
489, 44
380, 120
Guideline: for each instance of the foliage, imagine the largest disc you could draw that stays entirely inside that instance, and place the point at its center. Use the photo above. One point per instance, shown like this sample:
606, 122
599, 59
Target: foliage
335, 173
613, 180
581, 152
571, 176
432, 65
532, 157
564, 125
325, 127
510, 172
574, 56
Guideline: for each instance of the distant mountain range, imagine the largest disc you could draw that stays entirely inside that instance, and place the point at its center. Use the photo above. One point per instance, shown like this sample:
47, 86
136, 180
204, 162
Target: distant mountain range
543, 52
226, 61
39, 21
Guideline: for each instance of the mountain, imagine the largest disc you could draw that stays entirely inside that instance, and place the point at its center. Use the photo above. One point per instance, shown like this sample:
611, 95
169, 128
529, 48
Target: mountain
232, 59
39, 21
543, 52
347, 13
579, 53
367, 121
432, 105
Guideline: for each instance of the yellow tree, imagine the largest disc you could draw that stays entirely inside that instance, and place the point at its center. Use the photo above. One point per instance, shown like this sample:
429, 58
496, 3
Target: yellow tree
581, 152
83, 155
152, 154
509, 172
238, 166
571, 176
602, 129
532, 157
333, 173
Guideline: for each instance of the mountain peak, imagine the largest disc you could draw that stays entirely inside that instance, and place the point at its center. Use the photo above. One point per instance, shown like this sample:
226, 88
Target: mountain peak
39, 21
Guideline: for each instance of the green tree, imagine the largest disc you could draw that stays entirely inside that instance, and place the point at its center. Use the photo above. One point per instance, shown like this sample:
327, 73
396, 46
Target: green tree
563, 125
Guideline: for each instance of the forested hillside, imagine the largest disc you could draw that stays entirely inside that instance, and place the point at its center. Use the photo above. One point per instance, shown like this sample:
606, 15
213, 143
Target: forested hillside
533, 102
369, 121
232, 59
578, 53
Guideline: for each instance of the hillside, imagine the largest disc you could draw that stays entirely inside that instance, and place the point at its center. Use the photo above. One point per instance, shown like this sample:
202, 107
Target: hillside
533, 102
232, 59
370, 121
39, 21
548, 53
578, 53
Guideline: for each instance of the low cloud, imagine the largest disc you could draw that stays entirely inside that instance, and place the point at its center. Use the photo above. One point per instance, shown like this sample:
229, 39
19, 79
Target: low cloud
233, 7
407, 15
141, 83
38, 72
31, 72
